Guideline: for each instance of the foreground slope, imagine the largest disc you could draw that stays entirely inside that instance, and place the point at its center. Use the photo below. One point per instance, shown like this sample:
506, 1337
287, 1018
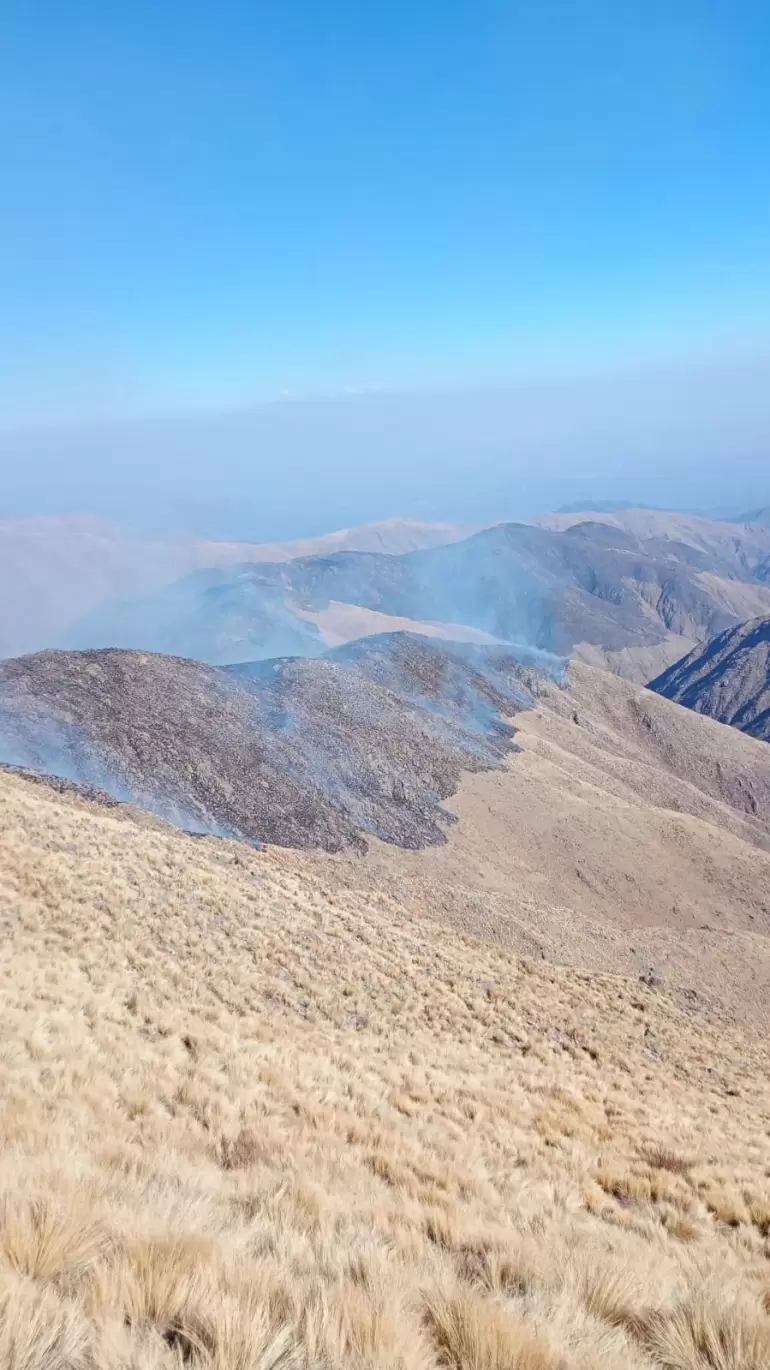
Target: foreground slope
251, 1118
728, 678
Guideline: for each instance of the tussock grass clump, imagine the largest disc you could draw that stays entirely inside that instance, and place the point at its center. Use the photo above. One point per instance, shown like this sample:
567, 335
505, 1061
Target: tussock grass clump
255, 1120
663, 1158
707, 1331
470, 1332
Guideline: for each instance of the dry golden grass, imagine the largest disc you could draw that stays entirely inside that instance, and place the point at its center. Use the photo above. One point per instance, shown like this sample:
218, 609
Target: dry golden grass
252, 1119
625, 833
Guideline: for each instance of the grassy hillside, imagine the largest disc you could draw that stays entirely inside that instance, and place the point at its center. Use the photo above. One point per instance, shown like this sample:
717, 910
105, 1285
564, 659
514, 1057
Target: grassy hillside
252, 1118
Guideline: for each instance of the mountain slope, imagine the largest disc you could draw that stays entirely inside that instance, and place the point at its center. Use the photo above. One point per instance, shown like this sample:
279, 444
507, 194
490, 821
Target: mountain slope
392, 537
589, 587
253, 1118
601, 825
728, 678
741, 548
624, 833
298, 751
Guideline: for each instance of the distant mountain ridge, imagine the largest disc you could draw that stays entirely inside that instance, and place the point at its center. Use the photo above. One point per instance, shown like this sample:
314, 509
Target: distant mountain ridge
593, 586
602, 506
632, 589
740, 548
392, 537
62, 568
728, 678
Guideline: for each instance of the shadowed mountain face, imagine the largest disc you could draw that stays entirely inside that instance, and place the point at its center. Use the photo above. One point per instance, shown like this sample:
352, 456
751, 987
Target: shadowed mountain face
591, 584
728, 678
299, 752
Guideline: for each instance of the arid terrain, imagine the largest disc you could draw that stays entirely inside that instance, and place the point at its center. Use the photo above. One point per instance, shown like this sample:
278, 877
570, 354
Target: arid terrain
633, 590
625, 834
255, 1117
579, 819
742, 546
384, 693
468, 1073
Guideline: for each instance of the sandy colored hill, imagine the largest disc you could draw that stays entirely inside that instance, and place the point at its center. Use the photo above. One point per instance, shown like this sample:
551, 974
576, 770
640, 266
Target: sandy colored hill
253, 1118
390, 536
637, 664
339, 623
596, 824
727, 679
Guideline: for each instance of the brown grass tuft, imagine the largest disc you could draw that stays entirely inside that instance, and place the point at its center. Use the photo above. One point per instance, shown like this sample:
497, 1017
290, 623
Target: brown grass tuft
470, 1332
241, 1151
48, 1241
662, 1158
702, 1334
39, 1332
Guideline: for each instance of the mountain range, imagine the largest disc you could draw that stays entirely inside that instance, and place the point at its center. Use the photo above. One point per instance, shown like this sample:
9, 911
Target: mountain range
761, 515
593, 588
491, 790
632, 589
739, 548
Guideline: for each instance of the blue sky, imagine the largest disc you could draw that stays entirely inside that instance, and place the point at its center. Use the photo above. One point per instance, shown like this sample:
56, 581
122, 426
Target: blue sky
210, 206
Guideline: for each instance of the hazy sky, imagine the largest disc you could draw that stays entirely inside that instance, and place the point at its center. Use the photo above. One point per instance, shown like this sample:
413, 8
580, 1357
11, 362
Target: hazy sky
692, 437
205, 207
